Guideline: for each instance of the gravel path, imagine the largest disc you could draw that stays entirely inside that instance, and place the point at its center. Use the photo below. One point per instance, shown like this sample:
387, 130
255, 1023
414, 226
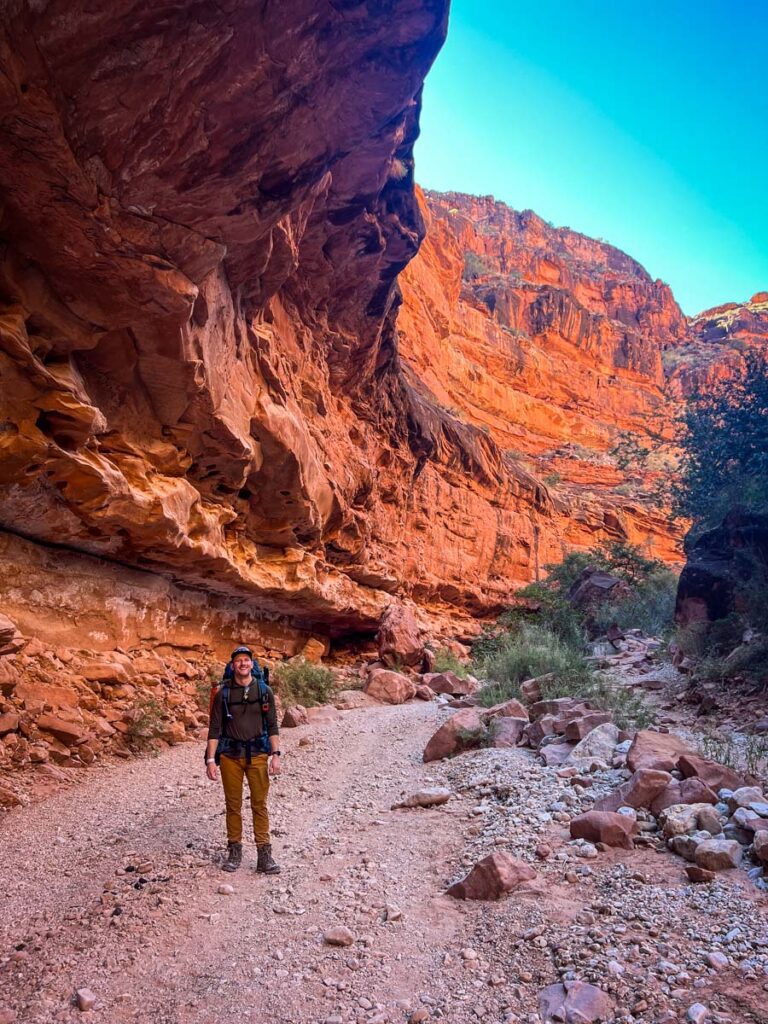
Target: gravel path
113, 886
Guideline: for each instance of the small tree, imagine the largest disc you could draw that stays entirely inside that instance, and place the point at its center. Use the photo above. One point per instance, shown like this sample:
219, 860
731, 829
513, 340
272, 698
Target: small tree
724, 440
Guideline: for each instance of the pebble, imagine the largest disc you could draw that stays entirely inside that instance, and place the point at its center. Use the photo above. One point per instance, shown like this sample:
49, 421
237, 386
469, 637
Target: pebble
226, 890
338, 936
697, 1013
86, 999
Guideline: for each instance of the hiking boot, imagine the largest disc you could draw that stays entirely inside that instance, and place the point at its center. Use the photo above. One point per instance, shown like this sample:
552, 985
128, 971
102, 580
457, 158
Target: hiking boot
265, 864
234, 857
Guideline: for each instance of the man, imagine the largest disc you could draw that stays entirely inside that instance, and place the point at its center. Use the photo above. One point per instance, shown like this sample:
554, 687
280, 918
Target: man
243, 739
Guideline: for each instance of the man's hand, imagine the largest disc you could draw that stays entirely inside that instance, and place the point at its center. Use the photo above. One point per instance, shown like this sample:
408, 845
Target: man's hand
274, 764
210, 771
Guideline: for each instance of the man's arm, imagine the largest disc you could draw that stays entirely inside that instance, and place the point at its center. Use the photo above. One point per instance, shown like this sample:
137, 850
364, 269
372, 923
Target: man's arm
274, 735
214, 729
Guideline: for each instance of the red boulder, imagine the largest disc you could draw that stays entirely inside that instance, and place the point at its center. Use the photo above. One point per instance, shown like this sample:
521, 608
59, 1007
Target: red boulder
491, 877
605, 827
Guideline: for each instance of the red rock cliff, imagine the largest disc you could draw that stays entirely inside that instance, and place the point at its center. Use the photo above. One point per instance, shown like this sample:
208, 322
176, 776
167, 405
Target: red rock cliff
716, 343
552, 343
205, 209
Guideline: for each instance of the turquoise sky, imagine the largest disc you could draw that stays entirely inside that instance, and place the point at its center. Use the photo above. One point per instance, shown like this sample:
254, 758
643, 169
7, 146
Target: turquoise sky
645, 124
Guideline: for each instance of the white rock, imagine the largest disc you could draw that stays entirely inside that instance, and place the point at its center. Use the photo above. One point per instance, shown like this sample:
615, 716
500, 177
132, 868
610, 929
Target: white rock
697, 1013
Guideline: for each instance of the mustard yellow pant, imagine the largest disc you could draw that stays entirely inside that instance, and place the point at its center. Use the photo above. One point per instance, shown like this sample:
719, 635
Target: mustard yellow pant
233, 771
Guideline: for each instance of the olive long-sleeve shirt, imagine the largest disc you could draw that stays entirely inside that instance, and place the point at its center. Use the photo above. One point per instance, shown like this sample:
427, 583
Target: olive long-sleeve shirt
246, 720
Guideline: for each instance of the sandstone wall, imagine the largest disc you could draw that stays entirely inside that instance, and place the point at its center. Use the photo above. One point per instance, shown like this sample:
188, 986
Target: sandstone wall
552, 343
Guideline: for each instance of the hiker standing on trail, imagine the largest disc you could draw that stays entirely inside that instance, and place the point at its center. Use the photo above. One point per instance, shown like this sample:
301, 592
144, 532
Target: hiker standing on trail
243, 740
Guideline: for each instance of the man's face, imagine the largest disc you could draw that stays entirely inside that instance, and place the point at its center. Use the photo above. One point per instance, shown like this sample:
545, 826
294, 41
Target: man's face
242, 664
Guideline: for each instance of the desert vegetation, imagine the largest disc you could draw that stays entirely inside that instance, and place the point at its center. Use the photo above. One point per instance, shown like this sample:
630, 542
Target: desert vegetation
547, 636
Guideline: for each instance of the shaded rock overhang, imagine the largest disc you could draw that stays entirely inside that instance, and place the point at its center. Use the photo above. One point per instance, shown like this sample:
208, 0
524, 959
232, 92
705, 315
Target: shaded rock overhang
204, 212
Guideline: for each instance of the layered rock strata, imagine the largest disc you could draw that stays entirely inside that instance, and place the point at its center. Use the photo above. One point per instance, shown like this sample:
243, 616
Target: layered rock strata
204, 213
552, 343
717, 341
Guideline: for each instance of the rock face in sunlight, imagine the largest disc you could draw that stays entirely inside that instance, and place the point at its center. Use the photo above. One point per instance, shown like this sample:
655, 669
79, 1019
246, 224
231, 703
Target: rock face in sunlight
205, 212
552, 343
207, 385
717, 341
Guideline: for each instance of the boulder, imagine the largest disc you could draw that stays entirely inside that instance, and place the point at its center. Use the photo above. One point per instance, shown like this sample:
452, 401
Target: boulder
716, 776
681, 819
399, 637
760, 846
351, 700
697, 874
605, 827
600, 743
8, 798
555, 754
579, 728
640, 791
173, 733
660, 750
506, 732
9, 722
689, 791
594, 587
685, 846
708, 819
69, 733
105, 672
424, 692
531, 688
491, 877
34, 692
294, 716
718, 854
432, 797
743, 797
557, 706
510, 708
574, 1002
450, 683
315, 649
389, 687
11, 640
537, 731
464, 730
339, 935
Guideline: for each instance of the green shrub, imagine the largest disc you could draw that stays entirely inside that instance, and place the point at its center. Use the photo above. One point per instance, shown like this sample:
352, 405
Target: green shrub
145, 721
490, 642
532, 650
651, 607
302, 682
446, 661
555, 613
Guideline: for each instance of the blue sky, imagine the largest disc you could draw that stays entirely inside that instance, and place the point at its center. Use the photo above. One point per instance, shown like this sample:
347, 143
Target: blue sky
645, 124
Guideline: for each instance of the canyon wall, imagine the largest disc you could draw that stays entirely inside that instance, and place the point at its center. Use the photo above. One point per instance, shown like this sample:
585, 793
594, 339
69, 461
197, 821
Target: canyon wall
207, 375
205, 210
716, 343
551, 342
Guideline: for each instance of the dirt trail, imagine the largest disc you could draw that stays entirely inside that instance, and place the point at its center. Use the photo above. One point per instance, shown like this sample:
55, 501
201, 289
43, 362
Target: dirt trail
112, 885
167, 947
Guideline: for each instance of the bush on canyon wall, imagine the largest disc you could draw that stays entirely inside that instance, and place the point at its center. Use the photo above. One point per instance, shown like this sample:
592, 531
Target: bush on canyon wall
302, 682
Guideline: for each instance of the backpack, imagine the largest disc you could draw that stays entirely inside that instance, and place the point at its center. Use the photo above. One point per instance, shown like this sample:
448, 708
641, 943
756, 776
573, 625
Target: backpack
226, 744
